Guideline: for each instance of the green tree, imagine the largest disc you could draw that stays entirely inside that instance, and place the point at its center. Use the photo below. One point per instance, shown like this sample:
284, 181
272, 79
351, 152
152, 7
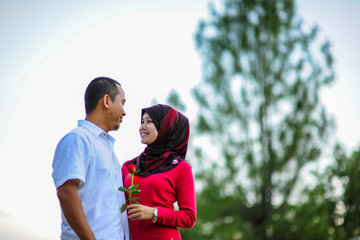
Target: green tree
259, 106
346, 170
310, 218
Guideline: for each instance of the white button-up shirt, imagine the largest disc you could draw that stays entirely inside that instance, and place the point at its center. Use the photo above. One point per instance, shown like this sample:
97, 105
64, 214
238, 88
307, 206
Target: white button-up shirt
87, 153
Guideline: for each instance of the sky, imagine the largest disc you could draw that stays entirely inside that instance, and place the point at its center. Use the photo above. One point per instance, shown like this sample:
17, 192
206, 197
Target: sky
51, 50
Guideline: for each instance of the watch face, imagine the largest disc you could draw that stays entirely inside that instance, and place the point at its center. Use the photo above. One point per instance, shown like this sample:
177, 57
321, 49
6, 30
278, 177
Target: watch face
155, 215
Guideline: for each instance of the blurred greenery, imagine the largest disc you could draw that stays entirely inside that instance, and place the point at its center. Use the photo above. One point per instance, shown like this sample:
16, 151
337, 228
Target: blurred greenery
346, 170
259, 108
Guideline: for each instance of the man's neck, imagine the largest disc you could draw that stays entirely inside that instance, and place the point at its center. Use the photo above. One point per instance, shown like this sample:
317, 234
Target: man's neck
97, 121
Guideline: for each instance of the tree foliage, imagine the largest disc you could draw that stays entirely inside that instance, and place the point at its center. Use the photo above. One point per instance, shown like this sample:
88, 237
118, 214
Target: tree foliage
259, 106
346, 170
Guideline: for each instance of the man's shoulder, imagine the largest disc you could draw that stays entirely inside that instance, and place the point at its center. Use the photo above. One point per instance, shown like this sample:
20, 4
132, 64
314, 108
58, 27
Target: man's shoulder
78, 134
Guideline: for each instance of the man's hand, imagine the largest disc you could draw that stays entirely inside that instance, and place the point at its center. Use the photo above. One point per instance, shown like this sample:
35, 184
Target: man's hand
72, 208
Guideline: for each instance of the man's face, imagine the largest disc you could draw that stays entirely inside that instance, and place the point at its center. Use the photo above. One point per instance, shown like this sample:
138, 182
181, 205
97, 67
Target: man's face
117, 111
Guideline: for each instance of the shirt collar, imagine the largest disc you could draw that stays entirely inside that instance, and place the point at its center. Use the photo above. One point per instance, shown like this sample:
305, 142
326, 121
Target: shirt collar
95, 130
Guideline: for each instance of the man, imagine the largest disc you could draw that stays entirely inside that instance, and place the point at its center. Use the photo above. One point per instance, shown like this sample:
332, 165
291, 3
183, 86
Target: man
86, 172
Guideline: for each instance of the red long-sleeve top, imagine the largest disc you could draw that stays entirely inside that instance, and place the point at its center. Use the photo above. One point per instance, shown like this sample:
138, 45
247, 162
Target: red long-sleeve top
161, 190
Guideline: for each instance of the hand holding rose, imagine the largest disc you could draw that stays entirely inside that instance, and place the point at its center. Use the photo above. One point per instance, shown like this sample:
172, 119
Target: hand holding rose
138, 211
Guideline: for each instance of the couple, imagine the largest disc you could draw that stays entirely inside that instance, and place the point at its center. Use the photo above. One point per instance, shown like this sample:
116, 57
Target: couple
87, 174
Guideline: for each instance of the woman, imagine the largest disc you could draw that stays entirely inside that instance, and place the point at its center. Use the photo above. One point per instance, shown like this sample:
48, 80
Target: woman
163, 175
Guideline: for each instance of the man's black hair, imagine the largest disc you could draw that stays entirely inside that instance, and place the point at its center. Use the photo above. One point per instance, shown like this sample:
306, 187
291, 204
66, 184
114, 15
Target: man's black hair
96, 90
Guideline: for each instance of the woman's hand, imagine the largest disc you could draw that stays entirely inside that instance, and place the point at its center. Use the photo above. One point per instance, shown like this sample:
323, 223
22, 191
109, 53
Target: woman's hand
138, 211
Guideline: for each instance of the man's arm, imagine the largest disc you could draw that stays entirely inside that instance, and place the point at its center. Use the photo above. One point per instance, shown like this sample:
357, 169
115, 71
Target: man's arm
72, 208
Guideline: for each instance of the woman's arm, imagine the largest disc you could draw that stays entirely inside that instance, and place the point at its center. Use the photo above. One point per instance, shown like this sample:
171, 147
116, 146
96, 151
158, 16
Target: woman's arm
185, 217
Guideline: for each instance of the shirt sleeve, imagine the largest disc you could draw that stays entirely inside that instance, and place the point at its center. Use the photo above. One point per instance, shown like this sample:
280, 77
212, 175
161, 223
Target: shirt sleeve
185, 217
70, 159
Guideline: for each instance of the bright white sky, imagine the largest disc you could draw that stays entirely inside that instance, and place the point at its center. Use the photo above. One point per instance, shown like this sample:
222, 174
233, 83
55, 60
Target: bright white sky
50, 50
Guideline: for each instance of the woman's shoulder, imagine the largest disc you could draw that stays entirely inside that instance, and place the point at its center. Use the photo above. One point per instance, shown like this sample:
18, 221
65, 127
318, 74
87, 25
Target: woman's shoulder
124, 165
183, 173
184, 165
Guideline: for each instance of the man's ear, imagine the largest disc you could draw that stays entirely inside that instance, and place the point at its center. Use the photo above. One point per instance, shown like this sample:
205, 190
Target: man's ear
106, 101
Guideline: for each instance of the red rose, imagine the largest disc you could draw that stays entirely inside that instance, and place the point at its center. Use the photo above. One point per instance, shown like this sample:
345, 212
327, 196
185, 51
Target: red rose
131, 168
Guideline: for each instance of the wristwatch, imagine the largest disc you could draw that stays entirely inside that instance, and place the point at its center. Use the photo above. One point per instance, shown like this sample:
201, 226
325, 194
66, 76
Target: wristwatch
154, 219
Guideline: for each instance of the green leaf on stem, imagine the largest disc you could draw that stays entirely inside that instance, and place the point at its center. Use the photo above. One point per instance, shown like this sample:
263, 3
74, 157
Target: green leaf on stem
133, 198
136, 192
123, 207
136, 202
123, 189
133, 187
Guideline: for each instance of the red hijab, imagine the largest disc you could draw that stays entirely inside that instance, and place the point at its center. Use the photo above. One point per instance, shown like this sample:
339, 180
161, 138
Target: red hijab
170, 146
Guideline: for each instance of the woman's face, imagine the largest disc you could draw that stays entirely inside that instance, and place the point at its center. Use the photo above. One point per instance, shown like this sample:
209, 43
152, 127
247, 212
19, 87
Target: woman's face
148, 132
